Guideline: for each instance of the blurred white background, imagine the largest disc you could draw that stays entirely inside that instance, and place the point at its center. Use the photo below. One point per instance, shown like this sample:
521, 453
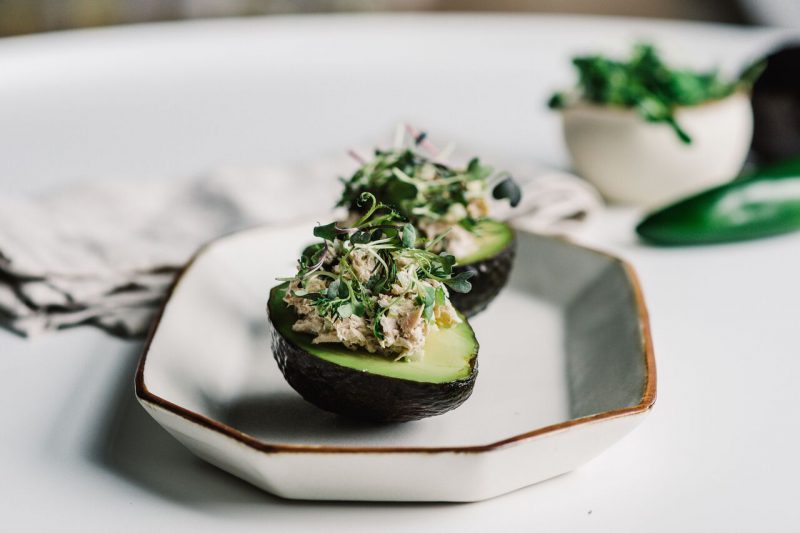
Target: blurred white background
31, 16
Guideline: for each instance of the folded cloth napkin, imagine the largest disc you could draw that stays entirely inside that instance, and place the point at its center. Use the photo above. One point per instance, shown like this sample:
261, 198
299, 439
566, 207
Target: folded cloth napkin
105, 253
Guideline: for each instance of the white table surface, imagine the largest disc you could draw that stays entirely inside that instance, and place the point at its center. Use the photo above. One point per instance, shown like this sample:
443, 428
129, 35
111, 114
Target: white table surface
718, 453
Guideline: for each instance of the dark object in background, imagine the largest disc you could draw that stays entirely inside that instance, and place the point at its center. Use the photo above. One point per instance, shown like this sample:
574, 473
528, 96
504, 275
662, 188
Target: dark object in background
764, 203
776, 107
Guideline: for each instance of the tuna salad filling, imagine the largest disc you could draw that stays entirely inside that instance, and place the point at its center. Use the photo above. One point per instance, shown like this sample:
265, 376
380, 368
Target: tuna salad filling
375, 285
446, 203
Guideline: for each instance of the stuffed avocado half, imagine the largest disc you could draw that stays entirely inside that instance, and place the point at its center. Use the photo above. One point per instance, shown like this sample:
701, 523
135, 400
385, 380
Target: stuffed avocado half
447, 204
366, 328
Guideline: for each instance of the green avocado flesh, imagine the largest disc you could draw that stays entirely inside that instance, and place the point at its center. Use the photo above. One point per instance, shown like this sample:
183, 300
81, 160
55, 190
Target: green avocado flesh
493, 237
449, 353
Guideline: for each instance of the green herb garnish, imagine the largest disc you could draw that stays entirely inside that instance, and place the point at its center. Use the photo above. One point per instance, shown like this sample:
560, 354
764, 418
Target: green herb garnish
646, 84
333, 275
420, 187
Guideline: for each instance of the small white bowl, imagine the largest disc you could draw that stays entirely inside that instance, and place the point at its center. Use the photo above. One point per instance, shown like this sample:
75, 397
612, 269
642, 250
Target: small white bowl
633, 161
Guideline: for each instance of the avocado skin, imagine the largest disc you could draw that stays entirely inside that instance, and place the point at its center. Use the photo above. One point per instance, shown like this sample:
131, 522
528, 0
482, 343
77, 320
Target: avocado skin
364, 395
490, 276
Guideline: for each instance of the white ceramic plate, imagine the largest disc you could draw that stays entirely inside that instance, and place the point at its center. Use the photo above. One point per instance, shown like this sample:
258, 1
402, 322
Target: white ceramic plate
566, 369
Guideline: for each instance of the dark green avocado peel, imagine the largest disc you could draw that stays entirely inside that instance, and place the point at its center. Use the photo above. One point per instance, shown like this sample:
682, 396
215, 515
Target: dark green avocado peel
490, 266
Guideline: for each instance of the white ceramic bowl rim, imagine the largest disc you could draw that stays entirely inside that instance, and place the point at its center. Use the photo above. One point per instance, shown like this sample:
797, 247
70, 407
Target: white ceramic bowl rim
646, 403
585, 105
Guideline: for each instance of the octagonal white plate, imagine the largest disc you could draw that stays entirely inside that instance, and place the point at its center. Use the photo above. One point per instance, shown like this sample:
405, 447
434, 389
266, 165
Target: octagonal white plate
566, 369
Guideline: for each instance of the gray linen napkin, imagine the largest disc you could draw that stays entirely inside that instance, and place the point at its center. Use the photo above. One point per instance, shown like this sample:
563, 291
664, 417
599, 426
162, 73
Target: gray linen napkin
104, 253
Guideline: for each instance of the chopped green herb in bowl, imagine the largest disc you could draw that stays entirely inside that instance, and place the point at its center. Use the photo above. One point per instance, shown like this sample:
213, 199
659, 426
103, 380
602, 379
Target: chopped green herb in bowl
646, 84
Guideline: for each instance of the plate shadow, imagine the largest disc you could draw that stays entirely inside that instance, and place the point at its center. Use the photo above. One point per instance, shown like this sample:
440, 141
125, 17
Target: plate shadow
133, 446
284, 416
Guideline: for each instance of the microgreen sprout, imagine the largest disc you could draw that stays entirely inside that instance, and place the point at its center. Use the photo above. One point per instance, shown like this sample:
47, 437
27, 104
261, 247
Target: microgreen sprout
331, 274
413, 179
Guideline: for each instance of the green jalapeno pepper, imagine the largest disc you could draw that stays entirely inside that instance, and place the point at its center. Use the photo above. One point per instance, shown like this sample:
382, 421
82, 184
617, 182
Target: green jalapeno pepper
766, 202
